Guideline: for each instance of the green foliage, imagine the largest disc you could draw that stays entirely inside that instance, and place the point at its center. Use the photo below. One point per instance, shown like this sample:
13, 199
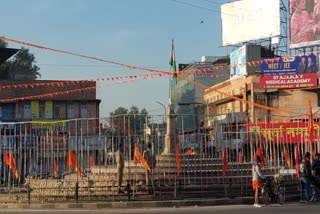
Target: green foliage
23, 62
132, 120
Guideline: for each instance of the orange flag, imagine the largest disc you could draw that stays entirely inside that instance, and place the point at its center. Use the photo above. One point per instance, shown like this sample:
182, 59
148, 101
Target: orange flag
240, 157
55, 167
310, 123
6, 158
91, 162
296, 148
224, 161
138, 158
72, 161
178, 164
9, 160
261, 156
286, 156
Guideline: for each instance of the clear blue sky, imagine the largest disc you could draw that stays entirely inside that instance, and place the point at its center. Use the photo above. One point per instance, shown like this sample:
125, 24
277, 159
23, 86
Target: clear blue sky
135, 32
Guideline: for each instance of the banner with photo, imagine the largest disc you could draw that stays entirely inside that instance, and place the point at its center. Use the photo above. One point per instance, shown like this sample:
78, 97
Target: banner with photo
290, 65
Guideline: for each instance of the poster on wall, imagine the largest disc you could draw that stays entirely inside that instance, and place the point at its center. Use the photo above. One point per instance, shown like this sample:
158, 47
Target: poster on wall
238, 60
304, 19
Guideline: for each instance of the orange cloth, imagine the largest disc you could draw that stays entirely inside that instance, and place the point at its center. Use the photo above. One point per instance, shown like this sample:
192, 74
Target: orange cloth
256, 184
138, 158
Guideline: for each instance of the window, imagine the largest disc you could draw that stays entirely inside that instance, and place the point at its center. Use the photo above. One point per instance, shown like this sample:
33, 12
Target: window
57, 111
27, 111
70, 111
42, 110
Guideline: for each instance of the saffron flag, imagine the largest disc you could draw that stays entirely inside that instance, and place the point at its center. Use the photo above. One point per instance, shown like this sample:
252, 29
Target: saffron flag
310, 123
91, 161
224, 161
9, 160
55, 168
286, 156
240, 157
296, 148
259, 153
178, 164
139, 159
71, 161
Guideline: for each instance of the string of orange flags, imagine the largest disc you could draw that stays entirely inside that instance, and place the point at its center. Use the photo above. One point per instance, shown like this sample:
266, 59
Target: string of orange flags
52, 94
196, 71
240, 99
49, 83
251, 63
79, 55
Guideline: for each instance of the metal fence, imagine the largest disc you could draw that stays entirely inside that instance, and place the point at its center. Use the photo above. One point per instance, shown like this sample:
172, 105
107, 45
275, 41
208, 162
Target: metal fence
34, 158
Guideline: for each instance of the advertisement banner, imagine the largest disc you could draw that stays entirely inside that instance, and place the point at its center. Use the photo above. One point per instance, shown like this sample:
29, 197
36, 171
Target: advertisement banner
295, 132
290, 65
49, 125
238, 61
304, 19
248, 20
289, 81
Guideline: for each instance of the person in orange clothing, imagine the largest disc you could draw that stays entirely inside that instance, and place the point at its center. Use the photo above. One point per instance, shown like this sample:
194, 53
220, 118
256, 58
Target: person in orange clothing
257, 178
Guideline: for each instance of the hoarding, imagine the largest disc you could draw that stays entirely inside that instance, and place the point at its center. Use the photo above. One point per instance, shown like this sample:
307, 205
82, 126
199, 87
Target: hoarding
290, 65
248, 20
238, 60
295, 132
304, 19
289, 81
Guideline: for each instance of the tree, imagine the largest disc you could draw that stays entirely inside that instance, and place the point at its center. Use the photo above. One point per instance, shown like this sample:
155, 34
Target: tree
129, 120
22, 62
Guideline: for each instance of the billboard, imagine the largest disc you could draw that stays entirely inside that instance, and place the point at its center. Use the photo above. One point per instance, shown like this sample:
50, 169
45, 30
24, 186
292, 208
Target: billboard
289, 81
247, 20
290, 65
238, 61
304, 19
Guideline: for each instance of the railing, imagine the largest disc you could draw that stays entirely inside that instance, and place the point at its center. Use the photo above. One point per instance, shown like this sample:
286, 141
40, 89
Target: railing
40, 156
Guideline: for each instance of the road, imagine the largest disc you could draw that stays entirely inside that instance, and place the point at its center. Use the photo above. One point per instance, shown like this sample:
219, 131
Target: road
292, 208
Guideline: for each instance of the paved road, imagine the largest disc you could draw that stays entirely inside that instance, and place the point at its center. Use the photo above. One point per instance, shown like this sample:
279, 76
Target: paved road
292, 208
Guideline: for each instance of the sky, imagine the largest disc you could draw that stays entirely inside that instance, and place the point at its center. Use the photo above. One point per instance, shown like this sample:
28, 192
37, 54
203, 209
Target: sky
132, 32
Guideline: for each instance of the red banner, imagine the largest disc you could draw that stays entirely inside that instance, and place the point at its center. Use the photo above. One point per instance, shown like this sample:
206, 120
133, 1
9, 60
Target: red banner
289, 81
295, 132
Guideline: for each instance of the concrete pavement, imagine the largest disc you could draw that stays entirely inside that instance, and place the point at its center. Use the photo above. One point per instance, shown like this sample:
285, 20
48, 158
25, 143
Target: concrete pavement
139, 204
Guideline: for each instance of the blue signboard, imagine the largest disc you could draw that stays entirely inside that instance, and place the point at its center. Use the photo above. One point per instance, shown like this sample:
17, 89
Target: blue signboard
290, 65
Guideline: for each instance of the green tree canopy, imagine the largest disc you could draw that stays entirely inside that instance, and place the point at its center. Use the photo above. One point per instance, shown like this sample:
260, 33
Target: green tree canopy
132, 120
23, 63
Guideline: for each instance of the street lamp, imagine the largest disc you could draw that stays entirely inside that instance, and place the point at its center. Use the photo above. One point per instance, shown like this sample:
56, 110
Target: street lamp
164, 107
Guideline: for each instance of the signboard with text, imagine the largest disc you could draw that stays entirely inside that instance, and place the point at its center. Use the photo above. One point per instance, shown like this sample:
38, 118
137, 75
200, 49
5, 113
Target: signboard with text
295, 132
289, 81
290, 65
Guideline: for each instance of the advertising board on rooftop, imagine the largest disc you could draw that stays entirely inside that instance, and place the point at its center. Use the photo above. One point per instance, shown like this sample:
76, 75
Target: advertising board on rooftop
248, 20
304, 19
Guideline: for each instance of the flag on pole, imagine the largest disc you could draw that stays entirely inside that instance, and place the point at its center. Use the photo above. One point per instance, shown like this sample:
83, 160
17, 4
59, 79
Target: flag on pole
286, 156
71, 161
178, 164
9, 160
173, 59
224, 161
139, 159
310, 123
55, 167
91, 162
296, 148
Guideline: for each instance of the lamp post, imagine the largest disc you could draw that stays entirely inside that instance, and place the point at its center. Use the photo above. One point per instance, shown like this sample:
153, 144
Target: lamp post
164, 107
